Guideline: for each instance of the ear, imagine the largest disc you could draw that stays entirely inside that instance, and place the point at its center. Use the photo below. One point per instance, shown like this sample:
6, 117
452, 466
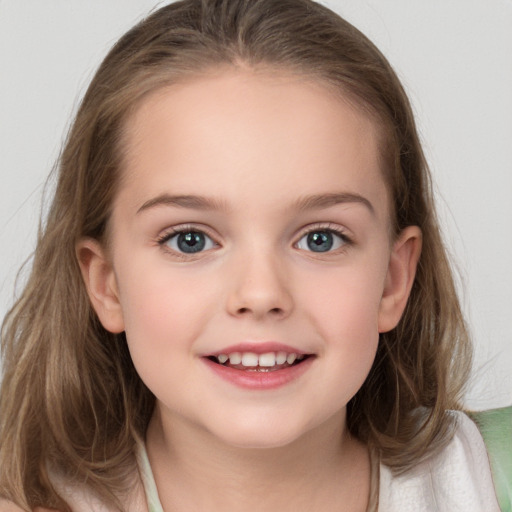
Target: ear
101, 284
400, 277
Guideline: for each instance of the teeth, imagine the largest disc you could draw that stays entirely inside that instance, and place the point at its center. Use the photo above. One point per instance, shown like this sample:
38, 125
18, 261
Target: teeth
249, 359
235, 358
266, 360
290, 358
281, 357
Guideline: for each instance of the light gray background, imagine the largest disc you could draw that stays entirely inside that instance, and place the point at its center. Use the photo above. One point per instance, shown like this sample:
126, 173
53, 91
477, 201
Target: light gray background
454, 57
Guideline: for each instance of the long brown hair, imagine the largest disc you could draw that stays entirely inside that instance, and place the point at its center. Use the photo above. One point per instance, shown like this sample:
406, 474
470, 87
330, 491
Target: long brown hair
70, 396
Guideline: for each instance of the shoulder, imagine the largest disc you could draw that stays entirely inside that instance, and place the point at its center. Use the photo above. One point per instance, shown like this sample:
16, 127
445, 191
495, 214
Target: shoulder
9, 506
496, 428
495, 425
455, 478
80, 498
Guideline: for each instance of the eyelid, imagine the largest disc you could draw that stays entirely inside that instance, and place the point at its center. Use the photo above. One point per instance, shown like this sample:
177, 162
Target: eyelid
338, 230
169, 233
324, 226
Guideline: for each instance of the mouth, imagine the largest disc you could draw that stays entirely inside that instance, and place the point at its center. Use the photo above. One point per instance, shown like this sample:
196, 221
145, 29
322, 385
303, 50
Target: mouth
261, 363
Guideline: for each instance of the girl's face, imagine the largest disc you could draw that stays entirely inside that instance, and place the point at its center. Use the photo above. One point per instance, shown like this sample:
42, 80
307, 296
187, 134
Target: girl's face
251, 226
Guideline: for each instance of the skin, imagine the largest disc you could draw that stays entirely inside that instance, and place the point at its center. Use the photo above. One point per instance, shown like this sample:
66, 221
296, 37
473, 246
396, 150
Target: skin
7, 506
256, 145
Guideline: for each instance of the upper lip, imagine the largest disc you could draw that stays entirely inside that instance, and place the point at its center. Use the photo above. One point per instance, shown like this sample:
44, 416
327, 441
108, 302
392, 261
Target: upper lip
263, 347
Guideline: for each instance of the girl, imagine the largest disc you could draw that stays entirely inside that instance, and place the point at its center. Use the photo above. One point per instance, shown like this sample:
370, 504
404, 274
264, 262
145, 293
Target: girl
240, 298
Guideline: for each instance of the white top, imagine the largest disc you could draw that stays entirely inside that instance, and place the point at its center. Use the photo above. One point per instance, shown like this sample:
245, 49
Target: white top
456, 479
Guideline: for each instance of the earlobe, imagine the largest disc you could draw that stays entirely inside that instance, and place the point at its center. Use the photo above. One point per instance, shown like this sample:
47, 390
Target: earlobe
100, 281
400, 277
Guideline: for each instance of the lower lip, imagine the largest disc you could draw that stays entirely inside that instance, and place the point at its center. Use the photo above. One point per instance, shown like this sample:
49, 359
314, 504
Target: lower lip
260, 380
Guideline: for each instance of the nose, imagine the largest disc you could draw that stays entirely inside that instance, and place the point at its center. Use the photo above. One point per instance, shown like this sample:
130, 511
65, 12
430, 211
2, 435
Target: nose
259, 288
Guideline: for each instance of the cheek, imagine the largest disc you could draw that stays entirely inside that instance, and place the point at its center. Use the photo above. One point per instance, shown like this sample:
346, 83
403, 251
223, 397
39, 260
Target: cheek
155, 295
346, 300
163, 313
344, 309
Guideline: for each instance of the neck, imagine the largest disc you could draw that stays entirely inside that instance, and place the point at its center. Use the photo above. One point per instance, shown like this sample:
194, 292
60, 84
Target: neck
325, 469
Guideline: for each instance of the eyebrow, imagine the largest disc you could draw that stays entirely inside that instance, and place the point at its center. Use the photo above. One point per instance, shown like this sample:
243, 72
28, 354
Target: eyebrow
311, 202
320, 201
183, 201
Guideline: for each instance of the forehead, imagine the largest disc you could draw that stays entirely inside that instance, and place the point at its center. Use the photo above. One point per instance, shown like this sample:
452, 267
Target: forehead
240, 132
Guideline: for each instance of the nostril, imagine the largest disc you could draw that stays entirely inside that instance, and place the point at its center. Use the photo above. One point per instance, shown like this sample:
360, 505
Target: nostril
273, 311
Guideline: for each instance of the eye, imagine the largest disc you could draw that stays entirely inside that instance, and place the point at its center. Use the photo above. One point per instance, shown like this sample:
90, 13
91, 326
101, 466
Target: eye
322, 240
188, 241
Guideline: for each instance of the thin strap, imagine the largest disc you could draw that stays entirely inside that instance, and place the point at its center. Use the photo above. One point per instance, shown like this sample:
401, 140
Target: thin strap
496, 429
148, 480
373, 502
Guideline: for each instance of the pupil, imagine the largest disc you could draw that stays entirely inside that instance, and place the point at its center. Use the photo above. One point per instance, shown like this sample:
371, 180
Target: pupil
191, 242
321, 241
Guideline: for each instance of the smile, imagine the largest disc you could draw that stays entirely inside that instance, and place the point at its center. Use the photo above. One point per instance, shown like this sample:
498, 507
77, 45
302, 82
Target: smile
263, 366
267, 362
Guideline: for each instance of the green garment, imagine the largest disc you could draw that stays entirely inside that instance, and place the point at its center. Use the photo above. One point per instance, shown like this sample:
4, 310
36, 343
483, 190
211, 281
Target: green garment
496, 428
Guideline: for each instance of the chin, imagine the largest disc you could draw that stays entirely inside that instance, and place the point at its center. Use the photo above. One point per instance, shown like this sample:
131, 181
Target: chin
262, 435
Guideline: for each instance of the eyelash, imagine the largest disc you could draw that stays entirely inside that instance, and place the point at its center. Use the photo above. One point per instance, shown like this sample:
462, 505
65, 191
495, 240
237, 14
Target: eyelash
318, 228
339, 232
175, 232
